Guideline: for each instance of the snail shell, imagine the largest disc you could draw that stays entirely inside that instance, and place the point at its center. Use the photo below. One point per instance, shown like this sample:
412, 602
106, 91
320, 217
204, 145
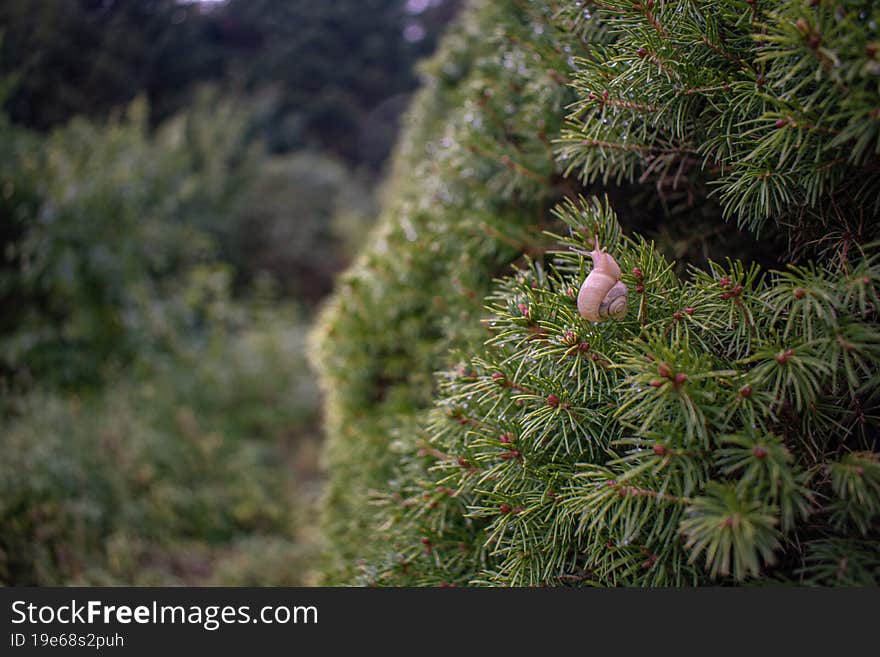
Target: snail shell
602, 296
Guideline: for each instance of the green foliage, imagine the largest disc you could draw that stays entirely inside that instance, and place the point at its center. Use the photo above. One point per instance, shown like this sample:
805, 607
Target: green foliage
460, 141
87, 58
157, 421
770, 104
655, 438
338, 68
97, 241
170, 475
338, 71
298, 220
725, 430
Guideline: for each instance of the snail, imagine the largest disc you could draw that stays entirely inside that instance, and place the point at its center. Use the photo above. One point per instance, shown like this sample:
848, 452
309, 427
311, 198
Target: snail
602, 296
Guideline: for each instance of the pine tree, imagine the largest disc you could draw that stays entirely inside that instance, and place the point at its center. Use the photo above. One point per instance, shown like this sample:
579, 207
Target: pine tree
723, 431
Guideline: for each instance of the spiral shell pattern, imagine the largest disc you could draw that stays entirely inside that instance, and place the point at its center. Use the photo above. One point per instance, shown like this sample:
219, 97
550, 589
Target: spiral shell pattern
613, 306
602, 296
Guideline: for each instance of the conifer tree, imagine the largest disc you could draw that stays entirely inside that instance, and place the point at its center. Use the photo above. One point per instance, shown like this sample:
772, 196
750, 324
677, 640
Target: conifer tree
724, 430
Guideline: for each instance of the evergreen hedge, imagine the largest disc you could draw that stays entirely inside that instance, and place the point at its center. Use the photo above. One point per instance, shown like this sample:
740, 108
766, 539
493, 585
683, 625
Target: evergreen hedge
481, 431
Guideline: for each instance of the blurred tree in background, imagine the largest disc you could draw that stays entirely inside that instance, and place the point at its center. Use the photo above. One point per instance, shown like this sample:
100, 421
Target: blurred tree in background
339, 72
340, 68
88, 57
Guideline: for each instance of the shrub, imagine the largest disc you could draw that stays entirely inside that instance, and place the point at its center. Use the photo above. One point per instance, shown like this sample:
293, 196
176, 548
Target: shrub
170, 475
725, 430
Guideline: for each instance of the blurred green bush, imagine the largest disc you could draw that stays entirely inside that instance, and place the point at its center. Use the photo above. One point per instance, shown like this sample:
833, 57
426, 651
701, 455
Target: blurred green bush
115, 238
167, 471
103, 224
157, 423
303, 216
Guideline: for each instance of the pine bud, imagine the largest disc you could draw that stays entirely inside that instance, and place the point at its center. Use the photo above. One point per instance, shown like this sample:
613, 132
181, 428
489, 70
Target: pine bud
677, 316
512, 454
664, 370
746, 392
656, 383
585, 346
506, 438
552, 400
781, 123
799, 293
871, 50
524, 309
640, 288
783, 358
660, 449
504, 508
426, 540
680, 378
638, 273
642, 52
759, 453
724, 282
569, 338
